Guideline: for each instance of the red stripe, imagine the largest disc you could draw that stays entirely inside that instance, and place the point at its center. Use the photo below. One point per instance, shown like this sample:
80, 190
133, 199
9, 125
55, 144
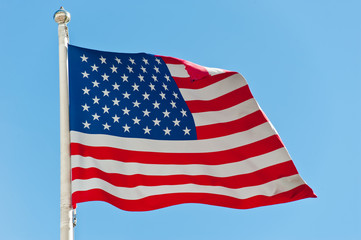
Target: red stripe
245, 180
195, 71
182, 81
223, 102
171, 60
211, 158
222, 129
206, 81
166, 200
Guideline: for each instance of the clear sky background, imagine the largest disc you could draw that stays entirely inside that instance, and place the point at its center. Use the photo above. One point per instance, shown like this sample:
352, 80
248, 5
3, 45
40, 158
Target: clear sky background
302, 60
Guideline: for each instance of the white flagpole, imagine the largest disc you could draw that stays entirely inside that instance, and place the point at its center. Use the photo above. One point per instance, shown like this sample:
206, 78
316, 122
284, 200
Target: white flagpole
62, 17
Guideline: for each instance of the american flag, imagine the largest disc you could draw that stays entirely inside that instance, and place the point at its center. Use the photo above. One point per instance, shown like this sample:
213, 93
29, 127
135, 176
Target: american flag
151, 131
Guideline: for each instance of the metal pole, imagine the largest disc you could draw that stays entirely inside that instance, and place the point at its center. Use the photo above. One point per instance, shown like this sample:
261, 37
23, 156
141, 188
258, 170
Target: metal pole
62, 17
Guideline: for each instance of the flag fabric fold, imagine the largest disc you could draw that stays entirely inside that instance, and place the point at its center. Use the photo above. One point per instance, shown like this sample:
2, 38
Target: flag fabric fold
151, 131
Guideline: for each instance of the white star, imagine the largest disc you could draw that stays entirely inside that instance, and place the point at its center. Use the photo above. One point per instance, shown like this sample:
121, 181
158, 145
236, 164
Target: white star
126, 95
146, 112
103, 60
173, 104
156, 122
86, 124
125, 78
154, 78
147, 130
156, 69
175, 95
85, 107
176, 122
126, 128
94, 68
143, 69
116, 86
118, 60
136, 104
158, 61
166, 113
96, 116
145, 61
116, 101
106, 126
167, 131
167, 77
186, 131
152, 87
85, 74
156, 105
86, 90
84, 58
184, 113
146, 95
106, 93
135, 87
165, 87
162, 95
105, 77
105, 109
125, 111
96, 100
141, 78
130, 69
116, 118
95, 84
114, 69
136, 120
131, 60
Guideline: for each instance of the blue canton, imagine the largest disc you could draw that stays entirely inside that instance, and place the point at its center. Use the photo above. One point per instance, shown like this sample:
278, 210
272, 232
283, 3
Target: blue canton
127, 95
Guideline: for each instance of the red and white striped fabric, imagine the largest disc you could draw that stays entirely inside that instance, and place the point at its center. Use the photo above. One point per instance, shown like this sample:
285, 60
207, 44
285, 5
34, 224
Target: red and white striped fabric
237, 161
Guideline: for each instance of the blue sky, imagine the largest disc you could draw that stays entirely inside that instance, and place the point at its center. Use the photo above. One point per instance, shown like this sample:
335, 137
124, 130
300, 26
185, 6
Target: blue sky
302, 60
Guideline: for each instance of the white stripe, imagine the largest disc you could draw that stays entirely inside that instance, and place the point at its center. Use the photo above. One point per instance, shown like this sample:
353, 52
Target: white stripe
214, 71
175, 146
178, 70
215, 90
230, 114
223, 170
268, 189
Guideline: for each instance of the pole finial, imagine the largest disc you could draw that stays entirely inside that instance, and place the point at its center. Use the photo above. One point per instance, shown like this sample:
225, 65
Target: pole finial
62, 16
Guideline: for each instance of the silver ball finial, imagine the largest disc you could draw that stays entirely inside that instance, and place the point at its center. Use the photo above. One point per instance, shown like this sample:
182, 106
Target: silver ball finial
62, 16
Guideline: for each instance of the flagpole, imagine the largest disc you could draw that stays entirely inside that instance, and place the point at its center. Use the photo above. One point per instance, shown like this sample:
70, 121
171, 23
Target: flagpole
62, 17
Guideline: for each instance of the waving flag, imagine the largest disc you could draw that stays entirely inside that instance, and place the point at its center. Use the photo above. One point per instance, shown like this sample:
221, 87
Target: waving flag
150, 131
